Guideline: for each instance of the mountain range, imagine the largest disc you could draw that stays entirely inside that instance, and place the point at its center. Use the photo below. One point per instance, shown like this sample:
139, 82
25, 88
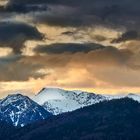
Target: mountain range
58, 101
117, 119
20, 110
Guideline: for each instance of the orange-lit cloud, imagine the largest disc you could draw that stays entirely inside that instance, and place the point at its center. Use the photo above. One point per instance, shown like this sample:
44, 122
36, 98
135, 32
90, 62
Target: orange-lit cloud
107, 69
66, 44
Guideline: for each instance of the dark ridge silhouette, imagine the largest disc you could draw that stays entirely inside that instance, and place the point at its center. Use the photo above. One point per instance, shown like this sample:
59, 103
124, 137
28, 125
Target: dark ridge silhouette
6, 130
109, 120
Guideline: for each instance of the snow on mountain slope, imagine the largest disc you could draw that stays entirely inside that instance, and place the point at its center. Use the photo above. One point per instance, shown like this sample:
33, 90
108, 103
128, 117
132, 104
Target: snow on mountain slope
20, 110
134, 97
131, 95
58, 101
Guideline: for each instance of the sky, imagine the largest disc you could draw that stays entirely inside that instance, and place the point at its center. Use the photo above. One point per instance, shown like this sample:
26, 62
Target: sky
91, 45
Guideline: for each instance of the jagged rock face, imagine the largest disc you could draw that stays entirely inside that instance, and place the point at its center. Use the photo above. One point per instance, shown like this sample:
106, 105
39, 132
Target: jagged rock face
58, 101
20, 110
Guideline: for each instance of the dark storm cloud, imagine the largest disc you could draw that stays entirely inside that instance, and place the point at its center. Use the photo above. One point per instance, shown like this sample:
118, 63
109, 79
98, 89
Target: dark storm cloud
99, 64
129, 35
75, 3
14, 35
13, 68
67, 48
24, 8
81, 12
87, 13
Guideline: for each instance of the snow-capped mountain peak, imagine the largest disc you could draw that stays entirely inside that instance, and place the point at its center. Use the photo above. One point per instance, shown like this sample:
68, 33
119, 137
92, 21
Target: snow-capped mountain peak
20, 110
134, 97
58, 101
49, 94
130, 95
13, 98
